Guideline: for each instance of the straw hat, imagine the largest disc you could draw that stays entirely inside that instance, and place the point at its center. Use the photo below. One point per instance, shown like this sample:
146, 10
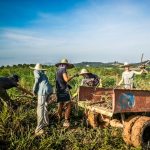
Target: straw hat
84, 71
38, 67
65, 62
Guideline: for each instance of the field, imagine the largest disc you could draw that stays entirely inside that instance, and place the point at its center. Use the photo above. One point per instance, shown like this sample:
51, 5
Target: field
17, 126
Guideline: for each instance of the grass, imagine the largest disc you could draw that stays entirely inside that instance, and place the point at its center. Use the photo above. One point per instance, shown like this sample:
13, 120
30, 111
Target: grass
17, 132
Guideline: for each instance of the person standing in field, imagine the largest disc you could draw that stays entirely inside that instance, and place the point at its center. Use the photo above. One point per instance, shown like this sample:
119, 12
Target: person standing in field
43, 89
128, 76
63, 89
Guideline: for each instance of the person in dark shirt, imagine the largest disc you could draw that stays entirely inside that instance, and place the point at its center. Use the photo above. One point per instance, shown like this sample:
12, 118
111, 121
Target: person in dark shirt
62, 89
7, 83
90, 79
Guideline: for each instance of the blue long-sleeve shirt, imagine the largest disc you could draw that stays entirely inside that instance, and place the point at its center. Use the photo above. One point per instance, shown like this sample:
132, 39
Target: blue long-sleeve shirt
41, 84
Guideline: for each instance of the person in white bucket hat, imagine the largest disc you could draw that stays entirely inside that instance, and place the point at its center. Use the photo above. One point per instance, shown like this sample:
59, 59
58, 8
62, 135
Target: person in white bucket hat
128, 76
43, 89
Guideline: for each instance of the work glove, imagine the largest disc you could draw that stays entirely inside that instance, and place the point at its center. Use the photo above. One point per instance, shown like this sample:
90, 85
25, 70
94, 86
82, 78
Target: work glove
142, 67
100, 85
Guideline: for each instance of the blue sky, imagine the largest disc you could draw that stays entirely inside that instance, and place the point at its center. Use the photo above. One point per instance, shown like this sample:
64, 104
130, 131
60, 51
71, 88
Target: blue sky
34, 31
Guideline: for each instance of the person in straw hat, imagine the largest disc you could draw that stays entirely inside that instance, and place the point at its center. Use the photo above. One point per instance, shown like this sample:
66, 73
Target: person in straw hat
128, 76
62, 89
43, 89
90, 79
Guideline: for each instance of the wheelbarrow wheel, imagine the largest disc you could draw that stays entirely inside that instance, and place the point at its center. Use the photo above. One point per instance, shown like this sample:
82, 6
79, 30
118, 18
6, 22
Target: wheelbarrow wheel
140, 134
127, 129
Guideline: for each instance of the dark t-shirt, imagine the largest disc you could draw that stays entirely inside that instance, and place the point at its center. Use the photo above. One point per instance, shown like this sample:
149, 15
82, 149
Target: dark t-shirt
7, 83
90, 75
90, 80
60, 83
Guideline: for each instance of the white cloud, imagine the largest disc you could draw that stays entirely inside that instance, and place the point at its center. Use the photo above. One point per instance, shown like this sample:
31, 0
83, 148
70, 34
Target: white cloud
29, 38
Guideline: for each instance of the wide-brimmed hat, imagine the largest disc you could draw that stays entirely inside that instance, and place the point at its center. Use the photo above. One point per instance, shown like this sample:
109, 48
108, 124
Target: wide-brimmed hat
38, 67
84, 71
65, 62
126, 64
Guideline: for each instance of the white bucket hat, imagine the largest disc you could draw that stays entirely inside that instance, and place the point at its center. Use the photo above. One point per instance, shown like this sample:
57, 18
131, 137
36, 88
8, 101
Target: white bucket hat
126, 64
84, 71
65, 62
38, 67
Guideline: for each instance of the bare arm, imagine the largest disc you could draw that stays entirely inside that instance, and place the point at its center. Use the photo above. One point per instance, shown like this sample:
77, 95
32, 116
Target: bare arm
138, 73
121, 81
100, 83
66, 77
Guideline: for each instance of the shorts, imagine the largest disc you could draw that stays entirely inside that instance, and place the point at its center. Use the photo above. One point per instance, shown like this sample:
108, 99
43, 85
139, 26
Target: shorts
63, 96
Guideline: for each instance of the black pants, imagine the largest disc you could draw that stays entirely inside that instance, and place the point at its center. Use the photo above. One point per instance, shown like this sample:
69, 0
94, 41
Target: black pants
5, 97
